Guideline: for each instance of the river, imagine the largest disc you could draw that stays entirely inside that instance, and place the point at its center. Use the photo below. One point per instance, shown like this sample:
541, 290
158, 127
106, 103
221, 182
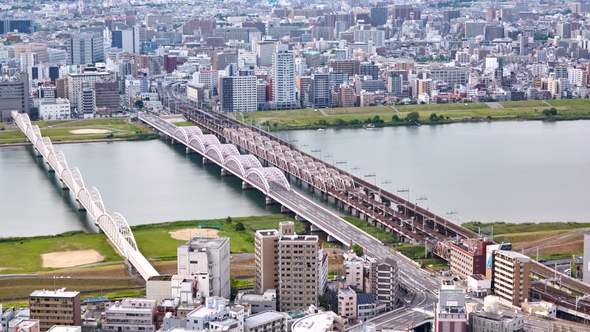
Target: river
499, 171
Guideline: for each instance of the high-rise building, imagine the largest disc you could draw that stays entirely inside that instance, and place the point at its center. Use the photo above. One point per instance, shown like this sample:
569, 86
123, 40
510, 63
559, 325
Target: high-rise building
19, 25
405, 12
87, 100
369, 69
331, 19
394, 83
127, 40
209, 256
449, 14
378, 16
74, 87
85, 48
266, 252
382, 276
474, 29
107, 96
319, 91
346, 96
373, 36
264, 50
39, 48
201, 26
451, 314
509, 272
55, 308
350, 66
283, 84
14, 96
493, 32
238, 93
223, 59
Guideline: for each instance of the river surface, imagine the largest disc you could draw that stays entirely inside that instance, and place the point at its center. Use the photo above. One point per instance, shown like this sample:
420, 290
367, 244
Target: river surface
501, 171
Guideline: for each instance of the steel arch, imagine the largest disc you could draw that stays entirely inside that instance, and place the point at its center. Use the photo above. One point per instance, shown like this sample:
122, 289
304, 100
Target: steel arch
201, 142
242, 163
263, 176
221, 151
90, 198
185, 133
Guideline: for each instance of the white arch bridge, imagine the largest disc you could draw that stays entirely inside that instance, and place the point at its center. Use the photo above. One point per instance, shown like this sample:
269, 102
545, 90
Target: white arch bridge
114, 224
269, 180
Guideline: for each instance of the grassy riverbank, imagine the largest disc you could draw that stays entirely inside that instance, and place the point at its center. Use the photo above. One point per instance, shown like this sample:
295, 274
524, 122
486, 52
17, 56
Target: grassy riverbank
445, 113
83, 130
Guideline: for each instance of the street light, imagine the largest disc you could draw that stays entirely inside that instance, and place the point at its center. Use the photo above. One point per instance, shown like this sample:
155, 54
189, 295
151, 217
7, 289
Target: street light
328, 156
318, 150
303, 146
345, 164
355, 168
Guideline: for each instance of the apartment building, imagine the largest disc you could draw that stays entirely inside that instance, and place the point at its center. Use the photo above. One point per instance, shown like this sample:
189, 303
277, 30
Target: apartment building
209, 256
238, 93
75, 82
347, 303
266, 252
58, 307
267, 321
511, 279
14, 96
283, 83
132, 314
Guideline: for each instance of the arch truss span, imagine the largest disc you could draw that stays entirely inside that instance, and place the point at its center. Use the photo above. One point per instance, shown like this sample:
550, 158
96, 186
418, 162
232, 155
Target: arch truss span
184, 134
266, 176
57, 160
117, 229
201, 142
242, 163
73, 179
220, 152
91, 199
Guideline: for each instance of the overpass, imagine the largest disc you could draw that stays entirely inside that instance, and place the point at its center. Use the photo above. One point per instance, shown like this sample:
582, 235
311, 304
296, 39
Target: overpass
114, 224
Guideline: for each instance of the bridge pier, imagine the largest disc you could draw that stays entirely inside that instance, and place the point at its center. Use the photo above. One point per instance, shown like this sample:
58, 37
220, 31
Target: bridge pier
224, 172
173, 141
63, 185
284, 209
314, 228
189, 150
299, 218
246, 185
81, 207
270, 201
325, 196
49, 168
299, 182
205, 161
130, 268
330, 238
38, 153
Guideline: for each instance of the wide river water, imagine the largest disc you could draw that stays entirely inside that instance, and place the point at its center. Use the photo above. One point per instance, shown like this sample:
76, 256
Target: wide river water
501, 171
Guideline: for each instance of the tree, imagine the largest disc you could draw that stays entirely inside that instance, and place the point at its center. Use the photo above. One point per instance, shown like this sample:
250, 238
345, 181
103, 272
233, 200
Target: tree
228, 220
240, 226
324, 302
395, 118
550, 112
433, 117
413, 116
139, 103
358, 250
233, 282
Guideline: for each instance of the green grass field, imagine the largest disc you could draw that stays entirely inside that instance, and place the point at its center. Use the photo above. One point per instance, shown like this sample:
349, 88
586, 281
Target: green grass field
376, 232
59, 130
517, 110
502, 228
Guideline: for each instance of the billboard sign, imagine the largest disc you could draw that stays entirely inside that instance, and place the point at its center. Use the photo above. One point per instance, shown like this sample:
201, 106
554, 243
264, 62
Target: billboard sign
451, 298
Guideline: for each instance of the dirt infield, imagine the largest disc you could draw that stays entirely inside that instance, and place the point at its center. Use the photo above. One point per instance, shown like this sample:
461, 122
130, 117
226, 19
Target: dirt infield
187, 233
89, 131
71, 258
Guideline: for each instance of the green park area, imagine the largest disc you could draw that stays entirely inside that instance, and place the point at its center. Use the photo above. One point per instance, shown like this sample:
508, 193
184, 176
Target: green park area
87, 129
552, 110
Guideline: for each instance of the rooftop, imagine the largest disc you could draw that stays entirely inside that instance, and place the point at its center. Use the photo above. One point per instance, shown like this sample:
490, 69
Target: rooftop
55, 293
364, 298
263, 317
63, 328
314, 323
207, 242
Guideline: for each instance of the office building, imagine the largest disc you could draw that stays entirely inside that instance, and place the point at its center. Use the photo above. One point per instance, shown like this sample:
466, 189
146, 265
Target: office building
210, 256
126, 40
394, 83
283, 83
107, 97
130, 315
238, 93
38, 48
19, 25
56, 109
378, 16
492, 32
405, 12
346, 96
349, 66
202, 26
74, 86
468, 257
264, 50
369, 69
474, 29
373, 36
449, 14
86, 101
85, 48
58, 307
331, 19
14, 96
511, 280
319, 91
223, 59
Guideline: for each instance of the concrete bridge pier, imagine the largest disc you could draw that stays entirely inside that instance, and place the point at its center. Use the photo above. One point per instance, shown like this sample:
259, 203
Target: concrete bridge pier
38, 153
80, 206
325, 196
270, 201
206, 161
130, 268
173, 141
224, 172
98, 229
49, 168
299, 218
299, 182
63, 185
314, 228
330, 238
246, 185
285, 209
189, 150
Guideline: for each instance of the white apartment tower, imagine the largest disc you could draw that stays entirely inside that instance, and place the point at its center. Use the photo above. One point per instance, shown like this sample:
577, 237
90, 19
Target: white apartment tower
283, 84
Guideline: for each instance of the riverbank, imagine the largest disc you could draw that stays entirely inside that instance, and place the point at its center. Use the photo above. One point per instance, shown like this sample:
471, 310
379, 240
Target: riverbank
81, 131
412, 115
